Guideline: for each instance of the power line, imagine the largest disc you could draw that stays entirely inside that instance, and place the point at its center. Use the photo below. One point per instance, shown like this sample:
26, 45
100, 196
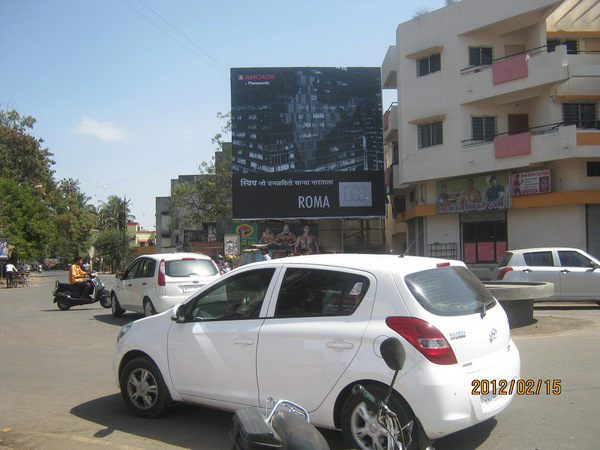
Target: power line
208, 60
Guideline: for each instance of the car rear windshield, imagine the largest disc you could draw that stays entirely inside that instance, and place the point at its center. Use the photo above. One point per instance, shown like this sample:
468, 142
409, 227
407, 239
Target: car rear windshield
449, 291
505, 259
189, 268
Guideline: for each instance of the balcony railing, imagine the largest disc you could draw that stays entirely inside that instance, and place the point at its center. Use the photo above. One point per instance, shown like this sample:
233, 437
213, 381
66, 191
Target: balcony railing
542, 129
531, 52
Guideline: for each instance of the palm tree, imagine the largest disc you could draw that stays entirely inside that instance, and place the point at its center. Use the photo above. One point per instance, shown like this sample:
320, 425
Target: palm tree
114, 213
423, 11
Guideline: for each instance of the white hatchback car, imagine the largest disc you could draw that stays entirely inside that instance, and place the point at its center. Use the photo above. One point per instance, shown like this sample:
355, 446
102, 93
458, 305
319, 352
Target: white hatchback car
575, 274
154, 283
308, 329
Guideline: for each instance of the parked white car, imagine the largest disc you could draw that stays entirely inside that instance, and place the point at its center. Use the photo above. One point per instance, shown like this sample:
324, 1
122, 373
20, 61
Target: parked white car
575, 274
154, 283
307, 329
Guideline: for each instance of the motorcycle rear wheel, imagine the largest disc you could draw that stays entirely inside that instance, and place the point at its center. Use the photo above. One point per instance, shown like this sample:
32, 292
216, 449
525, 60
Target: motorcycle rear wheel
62, 304
359, 424
106, 302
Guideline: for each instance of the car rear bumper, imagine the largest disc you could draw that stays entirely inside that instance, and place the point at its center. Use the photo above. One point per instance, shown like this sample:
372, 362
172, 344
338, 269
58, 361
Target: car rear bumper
462, 398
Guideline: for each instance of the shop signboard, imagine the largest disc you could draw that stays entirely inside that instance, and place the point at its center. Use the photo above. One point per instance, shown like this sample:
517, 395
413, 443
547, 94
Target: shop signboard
473, 193
532, 182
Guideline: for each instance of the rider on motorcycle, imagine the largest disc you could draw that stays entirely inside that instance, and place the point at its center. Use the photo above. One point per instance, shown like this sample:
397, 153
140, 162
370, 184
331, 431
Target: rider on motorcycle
81, 278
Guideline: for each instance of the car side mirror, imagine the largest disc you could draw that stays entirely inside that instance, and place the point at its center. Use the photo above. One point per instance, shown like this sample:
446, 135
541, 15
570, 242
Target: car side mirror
119, 276
178, 313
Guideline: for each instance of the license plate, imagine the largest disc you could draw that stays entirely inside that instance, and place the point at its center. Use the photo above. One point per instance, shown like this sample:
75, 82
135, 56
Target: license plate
190, 288
490, 402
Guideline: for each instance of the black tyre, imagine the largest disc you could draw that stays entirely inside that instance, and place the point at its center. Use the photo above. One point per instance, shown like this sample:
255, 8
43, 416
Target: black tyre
106, 301
143, 388
149, 309
359, 424
117, 311
62, 304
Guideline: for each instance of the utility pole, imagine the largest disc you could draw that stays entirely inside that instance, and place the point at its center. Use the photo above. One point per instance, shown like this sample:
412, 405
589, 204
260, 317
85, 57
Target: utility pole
124, 229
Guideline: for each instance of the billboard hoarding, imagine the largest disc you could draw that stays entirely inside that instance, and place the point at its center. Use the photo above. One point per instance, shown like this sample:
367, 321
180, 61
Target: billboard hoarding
307, 195
290, 123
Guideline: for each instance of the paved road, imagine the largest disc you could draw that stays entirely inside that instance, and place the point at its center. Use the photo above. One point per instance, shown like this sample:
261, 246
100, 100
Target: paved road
57, 389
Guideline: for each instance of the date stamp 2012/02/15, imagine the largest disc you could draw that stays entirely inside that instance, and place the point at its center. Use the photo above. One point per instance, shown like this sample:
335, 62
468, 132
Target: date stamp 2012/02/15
519, 387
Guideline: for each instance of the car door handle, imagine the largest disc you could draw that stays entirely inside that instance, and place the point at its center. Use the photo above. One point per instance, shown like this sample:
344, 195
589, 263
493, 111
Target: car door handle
243, 341
144, 284
342, 345
565, 271
526, 270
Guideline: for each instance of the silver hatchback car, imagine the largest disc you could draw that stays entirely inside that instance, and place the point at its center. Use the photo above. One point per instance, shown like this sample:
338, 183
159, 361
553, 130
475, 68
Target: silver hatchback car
154, 283
575, 273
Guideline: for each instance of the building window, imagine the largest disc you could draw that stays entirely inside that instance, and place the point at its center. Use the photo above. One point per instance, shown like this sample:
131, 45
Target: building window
431, 134
582, 115
429, 64
481, 56
593, 168
572, 45
483, 128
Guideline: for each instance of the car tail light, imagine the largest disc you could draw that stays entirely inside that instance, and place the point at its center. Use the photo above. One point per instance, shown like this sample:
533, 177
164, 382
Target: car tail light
502, 272
426, 338
161, 273
444, 264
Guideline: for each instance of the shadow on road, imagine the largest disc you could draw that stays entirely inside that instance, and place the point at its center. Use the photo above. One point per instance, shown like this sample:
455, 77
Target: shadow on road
117, 321
183, 426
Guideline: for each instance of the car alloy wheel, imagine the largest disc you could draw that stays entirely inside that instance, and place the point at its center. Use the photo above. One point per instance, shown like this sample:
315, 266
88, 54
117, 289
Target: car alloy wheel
143, 388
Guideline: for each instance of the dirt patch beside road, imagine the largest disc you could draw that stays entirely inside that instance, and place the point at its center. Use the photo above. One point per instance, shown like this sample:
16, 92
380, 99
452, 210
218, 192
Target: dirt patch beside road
557, 319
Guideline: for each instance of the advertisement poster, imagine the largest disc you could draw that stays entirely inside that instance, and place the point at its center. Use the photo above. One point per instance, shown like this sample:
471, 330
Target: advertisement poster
476, 193
296, 238
3, 249
247, 233
232, 244
307, 143
528, 183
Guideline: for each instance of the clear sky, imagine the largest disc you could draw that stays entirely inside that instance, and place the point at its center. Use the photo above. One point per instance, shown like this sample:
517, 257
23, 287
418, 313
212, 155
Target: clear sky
126, 92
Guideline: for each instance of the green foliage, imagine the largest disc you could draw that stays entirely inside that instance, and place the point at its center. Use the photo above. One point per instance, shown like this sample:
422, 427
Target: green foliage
112, 245
21, 156
25, 220
114, 213
208, 199
74, 220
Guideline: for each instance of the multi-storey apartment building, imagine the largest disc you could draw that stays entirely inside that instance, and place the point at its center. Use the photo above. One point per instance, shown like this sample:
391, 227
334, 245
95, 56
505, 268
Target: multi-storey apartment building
494, 142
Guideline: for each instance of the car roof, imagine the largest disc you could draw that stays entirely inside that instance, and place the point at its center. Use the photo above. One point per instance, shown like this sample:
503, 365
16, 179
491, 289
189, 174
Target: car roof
407, 264
176, 256
543, 249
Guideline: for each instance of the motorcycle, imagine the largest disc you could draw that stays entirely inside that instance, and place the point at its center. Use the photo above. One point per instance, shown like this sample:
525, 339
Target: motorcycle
397, 437
287, 426
67, 295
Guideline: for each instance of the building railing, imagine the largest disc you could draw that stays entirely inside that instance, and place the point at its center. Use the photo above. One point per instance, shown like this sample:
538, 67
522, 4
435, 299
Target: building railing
541, 129
531, 52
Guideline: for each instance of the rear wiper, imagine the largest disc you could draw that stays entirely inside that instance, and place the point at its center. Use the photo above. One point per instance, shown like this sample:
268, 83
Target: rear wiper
484, 306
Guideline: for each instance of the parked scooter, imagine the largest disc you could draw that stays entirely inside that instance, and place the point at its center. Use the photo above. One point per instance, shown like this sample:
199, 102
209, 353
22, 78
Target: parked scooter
286, 425
67, 295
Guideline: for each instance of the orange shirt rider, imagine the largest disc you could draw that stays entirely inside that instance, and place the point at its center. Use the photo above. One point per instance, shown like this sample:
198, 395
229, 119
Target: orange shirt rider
76, 273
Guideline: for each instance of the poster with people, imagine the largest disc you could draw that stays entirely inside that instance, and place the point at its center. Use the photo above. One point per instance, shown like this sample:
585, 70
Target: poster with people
474, 193
532, 182
291, 239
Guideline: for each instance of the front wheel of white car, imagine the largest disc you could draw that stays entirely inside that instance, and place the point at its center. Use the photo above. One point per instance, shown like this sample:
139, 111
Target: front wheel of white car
143, 388
360, 427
